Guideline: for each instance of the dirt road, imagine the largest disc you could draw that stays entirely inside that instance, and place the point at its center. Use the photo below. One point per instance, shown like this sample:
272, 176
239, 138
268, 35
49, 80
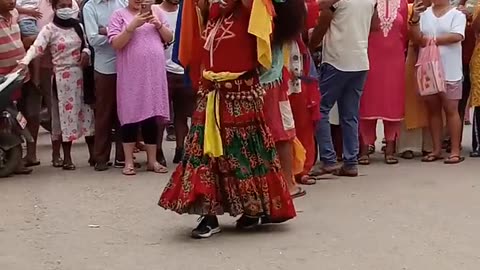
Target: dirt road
407, 216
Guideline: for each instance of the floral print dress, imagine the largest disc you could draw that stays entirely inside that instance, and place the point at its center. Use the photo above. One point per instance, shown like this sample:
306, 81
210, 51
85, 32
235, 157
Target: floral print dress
76, 117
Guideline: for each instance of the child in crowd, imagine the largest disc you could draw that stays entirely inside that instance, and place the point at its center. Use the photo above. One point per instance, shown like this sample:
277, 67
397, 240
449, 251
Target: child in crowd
27, 21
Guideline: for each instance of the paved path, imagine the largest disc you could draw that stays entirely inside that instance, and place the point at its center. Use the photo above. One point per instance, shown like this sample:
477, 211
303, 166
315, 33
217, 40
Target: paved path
407, 216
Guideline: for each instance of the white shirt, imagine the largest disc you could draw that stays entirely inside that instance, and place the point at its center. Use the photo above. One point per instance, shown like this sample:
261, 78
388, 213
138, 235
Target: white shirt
345, 45
453, 21
171, 66
97, 13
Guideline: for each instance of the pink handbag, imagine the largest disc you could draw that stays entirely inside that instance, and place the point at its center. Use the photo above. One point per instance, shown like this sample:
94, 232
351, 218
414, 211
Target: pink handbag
430, 73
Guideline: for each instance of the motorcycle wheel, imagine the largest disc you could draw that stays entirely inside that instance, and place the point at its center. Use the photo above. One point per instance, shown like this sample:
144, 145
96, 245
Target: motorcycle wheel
12, 158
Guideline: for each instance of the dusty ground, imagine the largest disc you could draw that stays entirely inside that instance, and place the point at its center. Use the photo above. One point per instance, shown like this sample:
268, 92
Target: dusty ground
407, 216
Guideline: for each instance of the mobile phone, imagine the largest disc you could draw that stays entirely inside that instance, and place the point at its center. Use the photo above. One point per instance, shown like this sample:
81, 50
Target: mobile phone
146, 8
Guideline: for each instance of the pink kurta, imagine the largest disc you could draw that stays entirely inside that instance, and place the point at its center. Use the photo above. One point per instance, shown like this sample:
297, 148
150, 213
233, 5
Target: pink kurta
384, 93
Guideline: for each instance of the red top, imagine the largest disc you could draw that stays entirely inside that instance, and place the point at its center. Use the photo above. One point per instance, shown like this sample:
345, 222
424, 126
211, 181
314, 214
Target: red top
313, 11
233, 48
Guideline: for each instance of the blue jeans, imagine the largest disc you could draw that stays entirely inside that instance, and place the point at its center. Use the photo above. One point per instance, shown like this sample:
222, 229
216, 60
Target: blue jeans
28, 27
345, 89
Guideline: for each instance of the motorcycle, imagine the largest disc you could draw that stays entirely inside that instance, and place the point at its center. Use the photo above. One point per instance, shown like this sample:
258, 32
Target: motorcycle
13, 130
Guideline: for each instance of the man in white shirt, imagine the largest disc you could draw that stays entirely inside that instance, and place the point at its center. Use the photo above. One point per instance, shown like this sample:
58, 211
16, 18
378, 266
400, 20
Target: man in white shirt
96, 16
344, 27
182, 96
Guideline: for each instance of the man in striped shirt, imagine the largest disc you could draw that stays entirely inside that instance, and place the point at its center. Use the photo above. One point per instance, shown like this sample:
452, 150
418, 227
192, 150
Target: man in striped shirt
11, 47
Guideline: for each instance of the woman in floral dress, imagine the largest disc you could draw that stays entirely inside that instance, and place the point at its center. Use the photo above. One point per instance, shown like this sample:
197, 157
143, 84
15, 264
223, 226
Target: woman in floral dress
65, 39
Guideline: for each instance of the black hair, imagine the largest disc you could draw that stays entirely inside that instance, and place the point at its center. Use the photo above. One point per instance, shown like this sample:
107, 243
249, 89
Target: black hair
289, 21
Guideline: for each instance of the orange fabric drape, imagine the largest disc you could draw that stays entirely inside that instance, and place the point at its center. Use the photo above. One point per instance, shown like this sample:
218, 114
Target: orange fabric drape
189, 53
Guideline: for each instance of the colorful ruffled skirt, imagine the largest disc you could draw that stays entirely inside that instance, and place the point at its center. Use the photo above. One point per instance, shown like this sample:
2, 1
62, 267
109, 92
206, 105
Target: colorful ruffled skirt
246, 178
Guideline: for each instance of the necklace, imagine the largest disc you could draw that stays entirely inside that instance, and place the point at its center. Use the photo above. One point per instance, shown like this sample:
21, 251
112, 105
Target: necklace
390, 8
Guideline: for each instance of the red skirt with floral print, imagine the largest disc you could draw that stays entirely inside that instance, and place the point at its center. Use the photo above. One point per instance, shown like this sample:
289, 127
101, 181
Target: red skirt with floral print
246, 179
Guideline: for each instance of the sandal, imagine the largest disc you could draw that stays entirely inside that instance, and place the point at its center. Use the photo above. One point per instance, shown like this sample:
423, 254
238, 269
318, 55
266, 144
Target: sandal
306, 180
57, 162
371, 149
431, 158
157, 168
69, 167
454, 160
390, 160
364, 160
408, 155
129, 170
299, 193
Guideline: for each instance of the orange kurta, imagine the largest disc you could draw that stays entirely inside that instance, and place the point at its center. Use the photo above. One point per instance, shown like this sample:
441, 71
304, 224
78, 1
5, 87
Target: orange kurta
415, 111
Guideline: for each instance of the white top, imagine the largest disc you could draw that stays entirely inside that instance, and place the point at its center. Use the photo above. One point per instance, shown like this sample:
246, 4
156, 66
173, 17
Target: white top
453, 21
30, 4
96, 13
345, 45
171, 66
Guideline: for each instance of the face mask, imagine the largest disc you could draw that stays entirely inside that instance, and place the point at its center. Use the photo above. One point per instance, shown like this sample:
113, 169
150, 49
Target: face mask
66, 13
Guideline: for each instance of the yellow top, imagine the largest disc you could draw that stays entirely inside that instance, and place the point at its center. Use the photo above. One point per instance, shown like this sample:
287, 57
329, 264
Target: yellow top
260, 25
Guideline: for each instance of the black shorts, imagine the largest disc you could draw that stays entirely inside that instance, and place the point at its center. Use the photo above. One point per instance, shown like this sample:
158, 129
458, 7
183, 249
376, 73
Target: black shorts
181, 95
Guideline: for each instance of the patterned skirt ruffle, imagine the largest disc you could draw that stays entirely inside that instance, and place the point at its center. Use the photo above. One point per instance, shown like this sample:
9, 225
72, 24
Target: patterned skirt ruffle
246, 179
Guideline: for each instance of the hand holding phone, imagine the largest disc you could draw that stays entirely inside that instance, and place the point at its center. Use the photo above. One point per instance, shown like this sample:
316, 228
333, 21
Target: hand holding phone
146, 8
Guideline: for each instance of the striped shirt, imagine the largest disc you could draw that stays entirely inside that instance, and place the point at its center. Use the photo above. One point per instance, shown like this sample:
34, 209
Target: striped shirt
11, 46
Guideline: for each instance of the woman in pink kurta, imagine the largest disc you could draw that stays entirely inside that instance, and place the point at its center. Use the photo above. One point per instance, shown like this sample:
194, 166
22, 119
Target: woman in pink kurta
384, 94
140, 38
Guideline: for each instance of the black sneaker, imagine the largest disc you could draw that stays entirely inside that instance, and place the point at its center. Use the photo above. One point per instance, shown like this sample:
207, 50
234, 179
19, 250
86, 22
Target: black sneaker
178, 155
207, 227
101, 166
247, 223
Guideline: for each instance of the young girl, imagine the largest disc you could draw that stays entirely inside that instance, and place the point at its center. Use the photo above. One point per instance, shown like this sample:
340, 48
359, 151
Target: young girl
65, 39
446, 25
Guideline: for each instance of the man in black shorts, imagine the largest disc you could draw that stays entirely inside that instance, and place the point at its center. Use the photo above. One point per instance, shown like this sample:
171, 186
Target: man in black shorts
181, 95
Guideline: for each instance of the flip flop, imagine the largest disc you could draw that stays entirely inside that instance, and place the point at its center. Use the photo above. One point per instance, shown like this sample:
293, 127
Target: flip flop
299, 193
129, 171
157, 168
431, 158
454, 160
306, 180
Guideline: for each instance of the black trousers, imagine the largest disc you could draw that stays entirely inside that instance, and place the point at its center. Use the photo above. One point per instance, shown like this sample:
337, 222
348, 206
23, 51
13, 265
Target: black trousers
476, 130
466, 87
149, 131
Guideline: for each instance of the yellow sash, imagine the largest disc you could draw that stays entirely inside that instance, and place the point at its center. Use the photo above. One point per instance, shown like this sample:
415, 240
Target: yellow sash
212, 141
